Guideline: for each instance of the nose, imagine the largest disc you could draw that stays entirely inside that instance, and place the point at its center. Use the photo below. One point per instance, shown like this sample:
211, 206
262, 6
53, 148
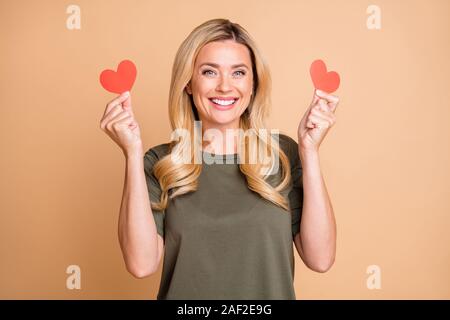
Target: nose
224, 84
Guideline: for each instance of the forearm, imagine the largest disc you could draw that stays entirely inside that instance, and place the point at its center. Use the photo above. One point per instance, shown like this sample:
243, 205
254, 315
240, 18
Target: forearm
318, 226
136, 228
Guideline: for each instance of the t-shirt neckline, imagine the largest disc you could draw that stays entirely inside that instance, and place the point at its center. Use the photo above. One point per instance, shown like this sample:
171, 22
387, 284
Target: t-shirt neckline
220, 156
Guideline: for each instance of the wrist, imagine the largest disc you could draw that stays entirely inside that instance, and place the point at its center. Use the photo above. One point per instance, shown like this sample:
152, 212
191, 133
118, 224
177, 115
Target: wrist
308, 155
308, 151
134, 152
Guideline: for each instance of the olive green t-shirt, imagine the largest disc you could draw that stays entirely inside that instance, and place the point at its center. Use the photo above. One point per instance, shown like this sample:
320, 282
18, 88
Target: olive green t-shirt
225, 241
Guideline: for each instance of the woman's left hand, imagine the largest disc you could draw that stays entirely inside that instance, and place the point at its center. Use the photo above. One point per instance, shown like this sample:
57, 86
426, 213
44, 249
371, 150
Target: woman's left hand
318, 119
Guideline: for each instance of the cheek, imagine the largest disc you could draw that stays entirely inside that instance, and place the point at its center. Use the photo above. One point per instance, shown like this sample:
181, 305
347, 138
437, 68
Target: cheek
245, 88
197, 85
205, 84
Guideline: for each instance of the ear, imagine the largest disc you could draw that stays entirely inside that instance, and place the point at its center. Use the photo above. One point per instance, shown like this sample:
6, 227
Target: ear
188, 88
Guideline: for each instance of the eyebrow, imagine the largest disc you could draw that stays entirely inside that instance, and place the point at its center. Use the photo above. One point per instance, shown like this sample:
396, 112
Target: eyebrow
215, 65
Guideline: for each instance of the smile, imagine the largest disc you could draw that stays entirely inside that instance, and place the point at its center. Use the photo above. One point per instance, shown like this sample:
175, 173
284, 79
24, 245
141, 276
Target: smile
224, 104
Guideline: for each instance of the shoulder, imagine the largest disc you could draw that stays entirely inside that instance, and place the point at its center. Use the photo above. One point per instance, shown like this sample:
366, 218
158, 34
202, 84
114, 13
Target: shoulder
287, 142
288, 145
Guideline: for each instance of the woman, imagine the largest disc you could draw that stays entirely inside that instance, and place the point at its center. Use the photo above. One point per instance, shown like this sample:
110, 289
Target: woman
226, 229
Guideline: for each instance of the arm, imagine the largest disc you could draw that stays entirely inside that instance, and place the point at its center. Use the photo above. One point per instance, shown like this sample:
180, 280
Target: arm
141, 245
316, 241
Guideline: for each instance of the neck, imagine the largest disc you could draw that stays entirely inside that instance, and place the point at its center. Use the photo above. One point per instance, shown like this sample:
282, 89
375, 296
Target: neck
220, 139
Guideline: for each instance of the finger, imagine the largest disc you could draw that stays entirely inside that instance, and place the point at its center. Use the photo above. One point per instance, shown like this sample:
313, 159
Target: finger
120, 116
317, 114
327, 96
324, 106
310, 125
328, 106
330, 119
127, 122
321, 120
121, 124
333, 106
323, 116
127, 105
116, 101
315, 98
110, 115
316, 122
119, 119
332, 101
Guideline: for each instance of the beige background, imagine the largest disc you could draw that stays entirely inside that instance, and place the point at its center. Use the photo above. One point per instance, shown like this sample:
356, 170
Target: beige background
386, 160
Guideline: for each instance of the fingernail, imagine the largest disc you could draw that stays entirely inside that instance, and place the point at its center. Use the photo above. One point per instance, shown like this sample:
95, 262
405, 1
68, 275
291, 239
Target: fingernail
319, 91
126, 93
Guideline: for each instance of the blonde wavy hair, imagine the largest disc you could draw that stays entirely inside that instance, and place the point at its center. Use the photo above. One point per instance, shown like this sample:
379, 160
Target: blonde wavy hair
179, 178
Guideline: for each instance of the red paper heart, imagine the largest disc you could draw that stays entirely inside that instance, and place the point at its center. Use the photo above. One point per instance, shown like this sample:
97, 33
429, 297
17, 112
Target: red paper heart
120, 81
323, 80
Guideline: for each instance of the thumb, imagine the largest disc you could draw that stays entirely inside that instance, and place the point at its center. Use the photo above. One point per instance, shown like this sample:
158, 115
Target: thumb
315, 99
126, 105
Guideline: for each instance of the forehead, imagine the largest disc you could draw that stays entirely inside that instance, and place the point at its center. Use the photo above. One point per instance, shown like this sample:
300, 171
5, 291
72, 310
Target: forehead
224, 53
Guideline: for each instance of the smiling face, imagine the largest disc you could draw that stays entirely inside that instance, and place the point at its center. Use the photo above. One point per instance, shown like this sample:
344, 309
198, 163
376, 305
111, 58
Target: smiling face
222, 83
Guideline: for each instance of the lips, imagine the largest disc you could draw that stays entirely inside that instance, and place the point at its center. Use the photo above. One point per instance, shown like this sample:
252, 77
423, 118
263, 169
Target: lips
224, 98
223, 107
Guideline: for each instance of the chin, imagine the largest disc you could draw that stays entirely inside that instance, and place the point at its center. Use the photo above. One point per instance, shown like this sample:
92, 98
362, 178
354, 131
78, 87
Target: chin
222, 120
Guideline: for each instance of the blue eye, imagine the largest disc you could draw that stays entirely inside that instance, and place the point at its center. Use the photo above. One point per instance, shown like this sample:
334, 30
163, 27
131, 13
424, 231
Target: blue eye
212, 72
204, 72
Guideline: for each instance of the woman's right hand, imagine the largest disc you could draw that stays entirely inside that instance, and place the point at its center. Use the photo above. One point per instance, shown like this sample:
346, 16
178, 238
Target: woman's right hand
119, 123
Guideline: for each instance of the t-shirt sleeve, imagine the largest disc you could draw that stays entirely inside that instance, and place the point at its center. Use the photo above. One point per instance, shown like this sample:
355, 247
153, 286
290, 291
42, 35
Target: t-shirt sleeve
154, 189
296, 194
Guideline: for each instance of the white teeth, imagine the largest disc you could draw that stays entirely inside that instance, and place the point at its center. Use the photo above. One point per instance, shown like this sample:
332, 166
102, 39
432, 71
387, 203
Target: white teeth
223, 102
